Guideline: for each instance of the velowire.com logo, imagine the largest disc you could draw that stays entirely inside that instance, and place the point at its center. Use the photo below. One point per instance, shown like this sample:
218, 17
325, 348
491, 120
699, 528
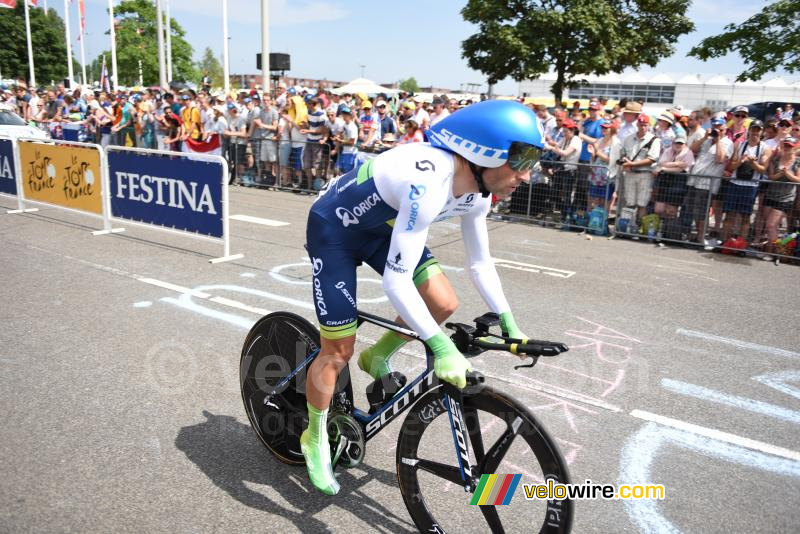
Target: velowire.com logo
495, 489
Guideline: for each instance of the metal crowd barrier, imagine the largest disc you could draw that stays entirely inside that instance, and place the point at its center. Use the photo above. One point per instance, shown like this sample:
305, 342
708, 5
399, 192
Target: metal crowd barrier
290, 165
678, 208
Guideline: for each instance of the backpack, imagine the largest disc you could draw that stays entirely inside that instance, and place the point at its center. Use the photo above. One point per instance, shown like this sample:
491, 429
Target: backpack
598, 221
649, 220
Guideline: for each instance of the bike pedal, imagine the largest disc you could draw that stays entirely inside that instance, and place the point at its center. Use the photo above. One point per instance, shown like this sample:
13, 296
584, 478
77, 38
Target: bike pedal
383, 389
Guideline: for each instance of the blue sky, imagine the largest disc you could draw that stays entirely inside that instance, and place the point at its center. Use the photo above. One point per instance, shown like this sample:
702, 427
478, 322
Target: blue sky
332, 39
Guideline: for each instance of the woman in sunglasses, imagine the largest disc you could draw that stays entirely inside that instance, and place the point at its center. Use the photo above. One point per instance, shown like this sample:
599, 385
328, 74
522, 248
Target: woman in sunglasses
737, 128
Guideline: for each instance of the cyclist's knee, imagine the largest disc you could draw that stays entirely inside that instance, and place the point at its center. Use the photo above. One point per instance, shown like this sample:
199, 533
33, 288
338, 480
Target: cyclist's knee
337, 351
446, 307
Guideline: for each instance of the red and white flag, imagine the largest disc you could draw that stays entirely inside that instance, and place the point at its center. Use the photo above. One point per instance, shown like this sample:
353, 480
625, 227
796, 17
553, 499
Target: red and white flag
212, 147
11, 4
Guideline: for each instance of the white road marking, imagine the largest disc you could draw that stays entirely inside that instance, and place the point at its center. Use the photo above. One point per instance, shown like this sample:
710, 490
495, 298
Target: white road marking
258, 220
450, 268
677, 270
173, 287
533, 242
718, 435
737, 343
644, 447
238, 305
780, 381
510, 264
743, 403
142, 304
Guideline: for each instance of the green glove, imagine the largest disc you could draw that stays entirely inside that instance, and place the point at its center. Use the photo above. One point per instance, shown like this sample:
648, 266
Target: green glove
509, 327
448, 363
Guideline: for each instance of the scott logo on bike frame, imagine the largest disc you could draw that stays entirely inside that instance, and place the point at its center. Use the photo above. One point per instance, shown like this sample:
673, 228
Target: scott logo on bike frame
400, 403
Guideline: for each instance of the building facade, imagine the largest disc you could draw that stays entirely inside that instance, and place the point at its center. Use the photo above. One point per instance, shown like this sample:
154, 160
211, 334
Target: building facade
690, 91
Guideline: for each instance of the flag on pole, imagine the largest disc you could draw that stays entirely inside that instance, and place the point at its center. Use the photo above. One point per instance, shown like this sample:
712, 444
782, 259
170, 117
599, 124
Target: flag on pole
12, 4
33, 3
105, 84
83, 20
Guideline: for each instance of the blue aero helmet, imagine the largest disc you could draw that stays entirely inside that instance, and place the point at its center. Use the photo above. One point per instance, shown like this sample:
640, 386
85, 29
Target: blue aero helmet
491, 133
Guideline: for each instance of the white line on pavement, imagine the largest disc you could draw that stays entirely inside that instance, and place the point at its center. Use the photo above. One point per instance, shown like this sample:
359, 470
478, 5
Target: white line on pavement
238, 305
518, 265
737, 343
743, 403
258, 220
173, 287
718, 435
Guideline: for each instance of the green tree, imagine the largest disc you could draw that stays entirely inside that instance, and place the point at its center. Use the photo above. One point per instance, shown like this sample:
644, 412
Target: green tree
524, 39
767, 41
213, 66
409, 85
48, 41
137, 39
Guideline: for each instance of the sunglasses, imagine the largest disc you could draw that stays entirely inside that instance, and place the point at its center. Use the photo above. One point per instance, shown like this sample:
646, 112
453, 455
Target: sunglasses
741, 115
522, 156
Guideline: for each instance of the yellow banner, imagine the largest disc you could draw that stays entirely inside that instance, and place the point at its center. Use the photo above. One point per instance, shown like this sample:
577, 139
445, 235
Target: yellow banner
68, 176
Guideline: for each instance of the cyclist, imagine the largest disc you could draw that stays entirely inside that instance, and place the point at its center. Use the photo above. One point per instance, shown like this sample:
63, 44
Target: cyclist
379, 213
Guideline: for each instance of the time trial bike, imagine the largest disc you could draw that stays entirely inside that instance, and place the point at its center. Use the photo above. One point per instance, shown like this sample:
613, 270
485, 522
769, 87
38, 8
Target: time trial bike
448, 440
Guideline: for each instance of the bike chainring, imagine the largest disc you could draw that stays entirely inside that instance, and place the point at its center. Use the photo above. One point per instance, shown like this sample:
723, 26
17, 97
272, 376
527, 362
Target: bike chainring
346, 435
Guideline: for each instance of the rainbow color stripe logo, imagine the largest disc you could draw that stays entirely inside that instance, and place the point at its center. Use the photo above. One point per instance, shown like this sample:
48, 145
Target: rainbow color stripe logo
495, 489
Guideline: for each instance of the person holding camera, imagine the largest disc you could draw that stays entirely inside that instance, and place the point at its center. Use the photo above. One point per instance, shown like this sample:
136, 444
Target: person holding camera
713, 151
749, 164
639, 154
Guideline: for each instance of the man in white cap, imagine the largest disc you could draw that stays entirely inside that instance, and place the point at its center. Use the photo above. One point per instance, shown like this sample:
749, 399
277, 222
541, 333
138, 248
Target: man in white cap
280, 95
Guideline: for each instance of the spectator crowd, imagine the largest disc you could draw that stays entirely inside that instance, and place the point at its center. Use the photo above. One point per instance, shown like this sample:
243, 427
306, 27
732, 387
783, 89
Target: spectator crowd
678, 168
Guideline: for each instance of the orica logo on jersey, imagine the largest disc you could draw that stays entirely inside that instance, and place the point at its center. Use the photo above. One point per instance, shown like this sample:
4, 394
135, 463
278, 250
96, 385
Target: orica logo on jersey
486, 156
316, 266
349, 217
417, 192
323, 309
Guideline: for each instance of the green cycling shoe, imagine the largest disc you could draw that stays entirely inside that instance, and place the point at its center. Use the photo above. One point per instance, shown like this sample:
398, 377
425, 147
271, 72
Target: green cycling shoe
317, 452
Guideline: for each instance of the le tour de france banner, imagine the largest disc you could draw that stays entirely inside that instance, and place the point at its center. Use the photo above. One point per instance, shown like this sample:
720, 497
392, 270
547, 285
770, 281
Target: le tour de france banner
8, 177
68, 176
173, 192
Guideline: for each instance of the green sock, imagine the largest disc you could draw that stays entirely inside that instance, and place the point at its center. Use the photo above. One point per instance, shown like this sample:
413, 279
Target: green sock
317, 424
317, 451
375, 360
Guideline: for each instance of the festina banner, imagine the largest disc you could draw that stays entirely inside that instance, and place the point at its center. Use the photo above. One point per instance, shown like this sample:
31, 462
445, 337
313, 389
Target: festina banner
168, 191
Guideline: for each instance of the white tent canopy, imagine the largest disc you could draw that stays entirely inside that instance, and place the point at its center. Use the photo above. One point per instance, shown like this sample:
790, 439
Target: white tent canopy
362, 85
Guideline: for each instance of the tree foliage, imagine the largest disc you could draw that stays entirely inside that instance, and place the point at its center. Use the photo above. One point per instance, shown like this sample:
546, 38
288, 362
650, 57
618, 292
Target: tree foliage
767, 41
213, 66
524, 39
48, 41
409, 85
137, 40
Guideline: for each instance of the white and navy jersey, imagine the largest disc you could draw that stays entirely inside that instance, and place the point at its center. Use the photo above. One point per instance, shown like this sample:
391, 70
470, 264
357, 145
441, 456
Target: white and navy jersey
399, 194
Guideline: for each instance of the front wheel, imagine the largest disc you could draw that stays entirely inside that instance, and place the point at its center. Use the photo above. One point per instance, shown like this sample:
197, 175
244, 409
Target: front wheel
504, 438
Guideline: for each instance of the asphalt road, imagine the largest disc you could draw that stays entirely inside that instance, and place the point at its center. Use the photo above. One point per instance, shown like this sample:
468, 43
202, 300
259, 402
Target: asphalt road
122, 409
